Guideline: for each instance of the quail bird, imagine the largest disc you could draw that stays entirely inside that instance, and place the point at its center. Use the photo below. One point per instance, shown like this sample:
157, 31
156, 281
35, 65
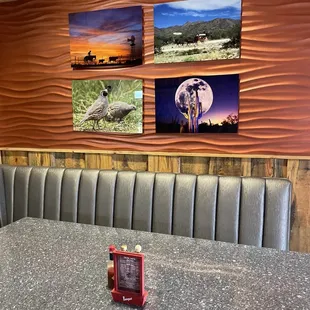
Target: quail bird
98, 110
118, 110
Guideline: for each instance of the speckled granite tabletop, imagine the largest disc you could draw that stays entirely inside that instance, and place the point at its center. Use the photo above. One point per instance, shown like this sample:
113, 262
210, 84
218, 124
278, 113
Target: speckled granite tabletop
56, 265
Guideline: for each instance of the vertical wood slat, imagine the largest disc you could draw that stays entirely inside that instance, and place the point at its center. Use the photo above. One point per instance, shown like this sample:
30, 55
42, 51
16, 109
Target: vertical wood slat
58, 160
269, 167
98, 161
75, 160
262, 167
225, 166
105, 161
163, 164
15, 158
39, 159
280, 168
195, 165
130, 162
34, 159
212, 166
301, 203
92, 161
246, 165
258, 168
296, 228
292, 171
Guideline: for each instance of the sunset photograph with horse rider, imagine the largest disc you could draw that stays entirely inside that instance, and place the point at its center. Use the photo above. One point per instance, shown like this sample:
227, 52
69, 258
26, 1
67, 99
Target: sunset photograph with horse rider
196, 30
106, 38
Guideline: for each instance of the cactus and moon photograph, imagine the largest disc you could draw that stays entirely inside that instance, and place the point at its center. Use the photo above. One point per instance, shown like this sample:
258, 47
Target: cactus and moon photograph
110, 38
203, 104
110, 106
196, 30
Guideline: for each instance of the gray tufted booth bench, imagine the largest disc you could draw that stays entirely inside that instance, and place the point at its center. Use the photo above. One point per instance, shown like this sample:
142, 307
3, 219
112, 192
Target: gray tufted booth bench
252, 211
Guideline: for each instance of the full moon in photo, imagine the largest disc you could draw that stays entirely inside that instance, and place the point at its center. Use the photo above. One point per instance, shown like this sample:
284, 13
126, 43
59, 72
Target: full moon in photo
187, 92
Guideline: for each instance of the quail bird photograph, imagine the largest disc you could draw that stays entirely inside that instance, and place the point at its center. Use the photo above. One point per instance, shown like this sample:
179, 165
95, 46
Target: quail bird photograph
110, 106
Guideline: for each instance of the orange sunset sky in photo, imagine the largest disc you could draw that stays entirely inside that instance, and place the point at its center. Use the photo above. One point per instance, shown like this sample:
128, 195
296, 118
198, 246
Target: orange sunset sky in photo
105, 33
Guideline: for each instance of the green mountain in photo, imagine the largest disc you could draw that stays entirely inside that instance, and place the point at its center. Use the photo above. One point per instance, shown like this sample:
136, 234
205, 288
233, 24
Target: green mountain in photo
218, 28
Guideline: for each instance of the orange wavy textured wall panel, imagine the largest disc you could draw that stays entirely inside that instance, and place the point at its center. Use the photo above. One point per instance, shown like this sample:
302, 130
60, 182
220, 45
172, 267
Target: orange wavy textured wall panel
35, 81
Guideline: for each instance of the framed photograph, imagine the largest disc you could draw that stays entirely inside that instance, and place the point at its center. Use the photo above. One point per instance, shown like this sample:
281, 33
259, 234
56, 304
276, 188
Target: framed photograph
114, 106
106, 38
196, 30
202, 104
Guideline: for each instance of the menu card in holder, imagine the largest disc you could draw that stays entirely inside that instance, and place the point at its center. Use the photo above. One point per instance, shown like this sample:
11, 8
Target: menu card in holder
129, 278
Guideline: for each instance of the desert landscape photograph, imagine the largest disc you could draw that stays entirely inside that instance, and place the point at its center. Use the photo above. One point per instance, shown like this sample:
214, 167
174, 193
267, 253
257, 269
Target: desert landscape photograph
110, 106
195, 105
195, 30
110, 38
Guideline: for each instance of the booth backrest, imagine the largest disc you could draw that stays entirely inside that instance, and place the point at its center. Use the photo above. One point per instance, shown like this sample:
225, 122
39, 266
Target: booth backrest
253, 211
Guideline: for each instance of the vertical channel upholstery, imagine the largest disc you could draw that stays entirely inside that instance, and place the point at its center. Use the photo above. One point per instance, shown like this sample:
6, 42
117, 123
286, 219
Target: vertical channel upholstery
124, 193
228, 207
70, 195
253, 211
36, 191
106, 186
184, 205
163, 203
3, 212
205, 206
143, 201
277, 218
8, 182
21, 192
87, 196
52, 194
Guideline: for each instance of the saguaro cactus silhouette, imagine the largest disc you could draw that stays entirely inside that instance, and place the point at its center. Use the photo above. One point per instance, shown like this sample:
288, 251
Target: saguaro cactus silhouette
193, 99
194, 107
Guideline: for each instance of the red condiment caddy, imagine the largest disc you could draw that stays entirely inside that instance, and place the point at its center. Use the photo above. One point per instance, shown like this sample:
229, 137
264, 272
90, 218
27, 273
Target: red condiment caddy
129, 278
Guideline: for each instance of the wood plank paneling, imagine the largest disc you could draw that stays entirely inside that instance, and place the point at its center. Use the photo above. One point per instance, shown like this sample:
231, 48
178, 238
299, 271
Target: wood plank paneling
35, 81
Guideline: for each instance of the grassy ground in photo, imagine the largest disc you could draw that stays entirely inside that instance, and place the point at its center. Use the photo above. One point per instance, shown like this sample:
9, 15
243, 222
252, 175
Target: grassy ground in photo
172, 57
210, 50
86, 92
